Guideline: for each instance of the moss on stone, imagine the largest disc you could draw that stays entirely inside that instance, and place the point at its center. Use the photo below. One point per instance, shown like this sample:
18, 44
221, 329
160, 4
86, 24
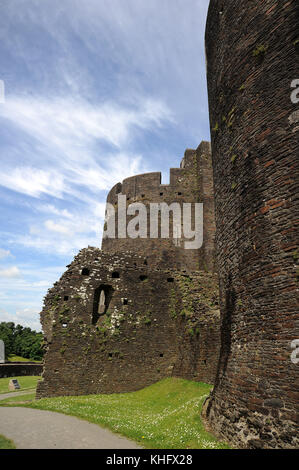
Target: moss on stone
260, 50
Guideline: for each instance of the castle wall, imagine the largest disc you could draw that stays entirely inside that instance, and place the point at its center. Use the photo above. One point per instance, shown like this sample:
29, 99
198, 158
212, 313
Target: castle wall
157, 323
191, 183
251, 62
18, 370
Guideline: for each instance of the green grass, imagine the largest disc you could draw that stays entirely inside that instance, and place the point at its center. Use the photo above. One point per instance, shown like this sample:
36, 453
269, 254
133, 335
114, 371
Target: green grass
165, 415
13, 358
6, 443
19, 398
26, 383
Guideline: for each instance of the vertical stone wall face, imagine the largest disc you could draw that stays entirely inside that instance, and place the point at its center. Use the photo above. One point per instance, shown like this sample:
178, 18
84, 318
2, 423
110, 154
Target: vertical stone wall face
206, 188
157, 324
17, 370
191, 183
251, 62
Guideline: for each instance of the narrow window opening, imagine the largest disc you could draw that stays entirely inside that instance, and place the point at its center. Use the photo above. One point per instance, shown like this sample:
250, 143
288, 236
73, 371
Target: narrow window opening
102, 299
145, 262
161, 194
125, 301
85, 272
115, 275
66, 297
161, 355
179, 194
110, 354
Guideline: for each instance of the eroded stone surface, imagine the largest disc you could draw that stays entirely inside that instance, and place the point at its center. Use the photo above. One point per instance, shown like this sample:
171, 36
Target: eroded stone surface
251, 62
158, 323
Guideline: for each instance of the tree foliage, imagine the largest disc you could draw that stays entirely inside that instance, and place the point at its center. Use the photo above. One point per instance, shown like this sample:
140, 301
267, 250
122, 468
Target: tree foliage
21, 341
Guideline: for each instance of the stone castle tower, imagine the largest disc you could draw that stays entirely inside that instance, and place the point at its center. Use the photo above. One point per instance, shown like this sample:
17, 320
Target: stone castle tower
140, 309
192, 182
251, 63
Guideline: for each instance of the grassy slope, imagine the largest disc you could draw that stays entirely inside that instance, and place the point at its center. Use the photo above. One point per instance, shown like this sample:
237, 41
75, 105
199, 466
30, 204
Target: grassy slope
13, 358
165, 415
26, 383
6, 443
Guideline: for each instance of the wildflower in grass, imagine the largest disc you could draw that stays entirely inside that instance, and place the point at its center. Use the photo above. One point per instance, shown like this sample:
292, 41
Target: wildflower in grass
168, 412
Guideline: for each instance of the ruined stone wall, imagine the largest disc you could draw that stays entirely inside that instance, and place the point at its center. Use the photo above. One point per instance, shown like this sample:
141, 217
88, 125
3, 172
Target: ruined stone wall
193, 182
194, 304
206, 196
251, 62
157, 323
18, 370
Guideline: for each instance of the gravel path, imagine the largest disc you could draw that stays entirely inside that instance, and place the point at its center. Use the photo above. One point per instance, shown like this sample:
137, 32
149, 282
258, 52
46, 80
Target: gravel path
39, 429
3, 396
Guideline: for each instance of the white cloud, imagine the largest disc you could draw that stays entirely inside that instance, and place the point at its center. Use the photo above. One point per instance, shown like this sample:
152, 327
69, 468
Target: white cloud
50, 209
40, 284
11, 273
74, 122
22, 299
32, 181
68, 135
70, 165
4, 253
64, 235
50, 244
56, 227
28, 317
30, 278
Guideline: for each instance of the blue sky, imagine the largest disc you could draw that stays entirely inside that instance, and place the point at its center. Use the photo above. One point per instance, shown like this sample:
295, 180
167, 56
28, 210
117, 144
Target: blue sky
95, 91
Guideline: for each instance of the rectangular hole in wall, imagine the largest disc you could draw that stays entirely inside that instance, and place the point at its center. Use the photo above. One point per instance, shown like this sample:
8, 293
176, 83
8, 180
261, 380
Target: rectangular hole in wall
102, 298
